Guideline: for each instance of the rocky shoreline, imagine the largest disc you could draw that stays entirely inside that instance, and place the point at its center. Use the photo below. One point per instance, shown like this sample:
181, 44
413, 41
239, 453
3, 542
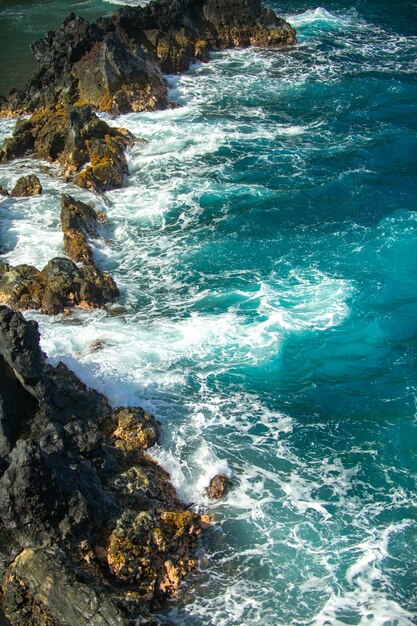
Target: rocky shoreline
91, 529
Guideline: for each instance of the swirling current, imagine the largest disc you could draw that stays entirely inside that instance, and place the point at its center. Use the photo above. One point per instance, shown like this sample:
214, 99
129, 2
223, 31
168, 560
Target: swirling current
266, 249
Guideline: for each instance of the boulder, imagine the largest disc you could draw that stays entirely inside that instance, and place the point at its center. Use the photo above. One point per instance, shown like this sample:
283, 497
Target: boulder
27, 186
218, 487
61, 285
74, 137
67, 285
79, 222
21, 286
135, 429
4, 192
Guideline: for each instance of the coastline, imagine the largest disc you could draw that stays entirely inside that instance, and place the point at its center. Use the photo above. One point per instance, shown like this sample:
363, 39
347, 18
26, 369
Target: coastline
157, 565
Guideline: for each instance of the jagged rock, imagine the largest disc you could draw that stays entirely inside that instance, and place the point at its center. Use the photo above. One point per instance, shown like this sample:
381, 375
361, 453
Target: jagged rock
67, 285
218, 487
60, 286
21, 366
27, 186
4, 192
19, 347
74, 136
119, 76
135, 429
141, 541
21, 286
77, 215
91, 529
116, 64
79, 221
51, 593
49, 497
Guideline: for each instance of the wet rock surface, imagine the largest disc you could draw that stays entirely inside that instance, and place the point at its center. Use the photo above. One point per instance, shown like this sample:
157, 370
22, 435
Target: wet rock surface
218, 487
117, 63
75, 138
63, 283
79, 222
91, 529
58, 287
27, 186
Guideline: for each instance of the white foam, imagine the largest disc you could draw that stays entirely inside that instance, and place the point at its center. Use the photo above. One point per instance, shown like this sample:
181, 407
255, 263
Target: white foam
368, 596
318, 16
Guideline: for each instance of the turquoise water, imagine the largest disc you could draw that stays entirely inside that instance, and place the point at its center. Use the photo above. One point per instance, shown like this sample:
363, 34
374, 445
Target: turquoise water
265, 245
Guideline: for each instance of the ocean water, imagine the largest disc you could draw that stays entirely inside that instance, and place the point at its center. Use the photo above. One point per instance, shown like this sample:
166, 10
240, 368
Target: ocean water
266, 249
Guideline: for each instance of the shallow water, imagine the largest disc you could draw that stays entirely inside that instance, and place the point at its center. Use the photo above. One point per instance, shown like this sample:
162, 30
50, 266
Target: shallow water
265, 246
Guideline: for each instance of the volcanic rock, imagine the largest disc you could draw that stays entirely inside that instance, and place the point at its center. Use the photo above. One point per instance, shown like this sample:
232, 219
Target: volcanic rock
60, 286
218, 487
91, 529
79, 222
27, 186
117, 63
74, 137
136, 429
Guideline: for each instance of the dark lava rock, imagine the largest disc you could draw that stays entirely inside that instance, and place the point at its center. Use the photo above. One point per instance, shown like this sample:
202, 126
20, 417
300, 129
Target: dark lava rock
73, 136
60, 286
27, 186
91, 529
218, 487
116, 64
118, 75
79, 221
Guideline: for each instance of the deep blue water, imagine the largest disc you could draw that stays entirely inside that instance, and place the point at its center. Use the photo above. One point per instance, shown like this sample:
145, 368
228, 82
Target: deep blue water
266, 249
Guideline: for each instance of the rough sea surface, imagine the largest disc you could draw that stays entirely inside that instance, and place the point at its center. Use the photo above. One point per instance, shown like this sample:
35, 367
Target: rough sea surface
266, 250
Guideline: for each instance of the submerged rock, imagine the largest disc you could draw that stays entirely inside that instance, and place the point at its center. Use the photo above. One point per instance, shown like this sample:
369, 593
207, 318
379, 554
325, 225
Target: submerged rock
27, 186
91, 529
117, 63
74, 137
218, 487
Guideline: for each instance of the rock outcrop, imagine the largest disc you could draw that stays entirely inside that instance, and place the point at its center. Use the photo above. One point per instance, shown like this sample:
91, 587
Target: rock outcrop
27, 186
58, 287
79, 222
90, 152
117, 63
91, 529
218, 487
